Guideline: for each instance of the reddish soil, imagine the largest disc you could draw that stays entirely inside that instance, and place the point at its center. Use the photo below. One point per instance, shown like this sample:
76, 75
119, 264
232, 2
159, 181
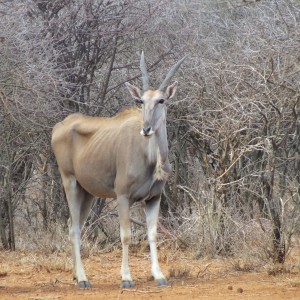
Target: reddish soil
37, 277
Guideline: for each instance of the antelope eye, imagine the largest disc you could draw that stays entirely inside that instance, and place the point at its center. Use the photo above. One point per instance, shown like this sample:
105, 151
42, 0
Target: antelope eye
139, 101
161, 101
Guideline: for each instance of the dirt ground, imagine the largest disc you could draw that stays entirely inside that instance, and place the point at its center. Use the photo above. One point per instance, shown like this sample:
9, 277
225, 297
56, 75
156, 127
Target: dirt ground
37, 277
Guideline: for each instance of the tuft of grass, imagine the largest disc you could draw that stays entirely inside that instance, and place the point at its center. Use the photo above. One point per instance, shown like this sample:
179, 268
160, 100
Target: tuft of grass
59, 264
179, 272
278, 269
241, 265
53, 262
293, 281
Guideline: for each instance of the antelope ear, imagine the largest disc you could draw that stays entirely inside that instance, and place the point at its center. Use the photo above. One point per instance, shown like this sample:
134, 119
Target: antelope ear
171, 90
134, 91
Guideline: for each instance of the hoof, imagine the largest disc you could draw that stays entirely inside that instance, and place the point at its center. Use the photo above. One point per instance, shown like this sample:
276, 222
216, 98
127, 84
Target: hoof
161, 282
127, 284
84, 285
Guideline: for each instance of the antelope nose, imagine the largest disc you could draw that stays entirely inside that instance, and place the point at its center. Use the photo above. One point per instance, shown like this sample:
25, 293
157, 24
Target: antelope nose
146, 130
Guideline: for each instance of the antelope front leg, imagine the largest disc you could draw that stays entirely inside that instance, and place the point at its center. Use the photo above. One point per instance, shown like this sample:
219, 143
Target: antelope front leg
152, 211
125, 233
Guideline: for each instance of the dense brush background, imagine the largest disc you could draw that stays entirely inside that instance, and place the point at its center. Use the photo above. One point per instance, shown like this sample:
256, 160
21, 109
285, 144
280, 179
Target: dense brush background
234, 131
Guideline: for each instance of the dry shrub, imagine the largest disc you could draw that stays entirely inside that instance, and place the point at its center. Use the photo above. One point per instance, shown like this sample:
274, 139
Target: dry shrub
53, 239
246, 242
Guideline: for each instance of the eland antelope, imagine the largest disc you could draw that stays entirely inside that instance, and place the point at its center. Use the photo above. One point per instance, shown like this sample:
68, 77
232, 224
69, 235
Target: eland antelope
123, 157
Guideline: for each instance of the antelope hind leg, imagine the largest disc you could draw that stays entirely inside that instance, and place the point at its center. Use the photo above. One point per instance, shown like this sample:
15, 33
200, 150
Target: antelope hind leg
76, 196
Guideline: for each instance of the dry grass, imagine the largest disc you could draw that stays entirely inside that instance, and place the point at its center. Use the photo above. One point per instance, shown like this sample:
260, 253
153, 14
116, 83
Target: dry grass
58, 263
278, 269
244, 265
179, 272
293, 281
53, 262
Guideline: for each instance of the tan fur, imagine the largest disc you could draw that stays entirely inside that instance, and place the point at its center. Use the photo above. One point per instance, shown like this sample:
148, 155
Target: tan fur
89, 148
153, 94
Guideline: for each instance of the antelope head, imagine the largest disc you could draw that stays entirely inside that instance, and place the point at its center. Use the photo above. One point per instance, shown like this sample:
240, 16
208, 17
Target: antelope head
153, 101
